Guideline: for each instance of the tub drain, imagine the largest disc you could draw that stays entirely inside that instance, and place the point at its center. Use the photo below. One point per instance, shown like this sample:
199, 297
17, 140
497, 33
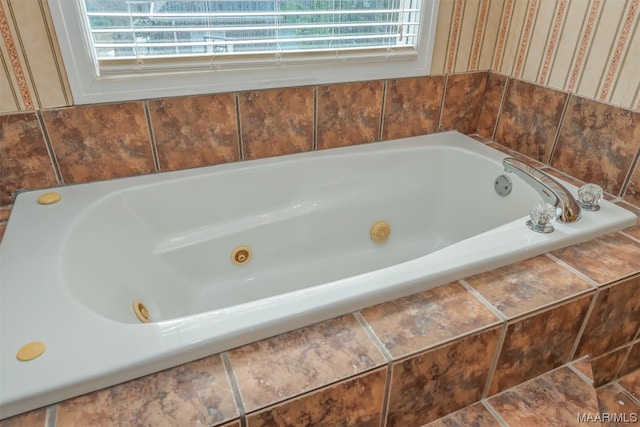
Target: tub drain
141, 311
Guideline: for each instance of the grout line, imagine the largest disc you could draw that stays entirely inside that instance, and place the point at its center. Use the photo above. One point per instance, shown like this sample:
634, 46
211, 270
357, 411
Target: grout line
581, 374
627, 180
627, 393
152, 137
314, 143
237, 396
554, 146
386, 398
635, 239
587, 316
236, 98
444, 95
52, 416
367, 328
47, 143
624, 360
494, 362
573, 270
384, 100
483, 300
503, 99
494, 413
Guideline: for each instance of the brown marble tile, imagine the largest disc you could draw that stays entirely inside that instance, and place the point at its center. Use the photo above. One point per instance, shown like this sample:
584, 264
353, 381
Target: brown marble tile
438, 382
612, 400
614, 319
232, 424
355, 402
5, 212
24, 163
528, 285
530, 118
597, 143
537, 344
491, 104
100, 141
632, 192
276, 122
348, 113
475, 415
463, 101
3, 226
605, 367
290, 364
633, 360
412, 106
631, 383
605, 259
194, 131
37, 418
633, 231
584, 365
479, 138
197, 393
553, 399
427, 319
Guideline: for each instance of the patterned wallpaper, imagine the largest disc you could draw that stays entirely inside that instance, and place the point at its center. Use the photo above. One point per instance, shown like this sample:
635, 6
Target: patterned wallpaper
589, 47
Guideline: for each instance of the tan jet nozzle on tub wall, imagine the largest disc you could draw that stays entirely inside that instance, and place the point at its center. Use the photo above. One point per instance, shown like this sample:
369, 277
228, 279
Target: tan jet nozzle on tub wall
241, 255
380, 231
142, 312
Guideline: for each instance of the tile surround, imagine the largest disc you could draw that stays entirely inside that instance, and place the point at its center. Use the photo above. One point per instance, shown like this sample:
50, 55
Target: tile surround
613, 399
633, 360
25, 162
528, 285
530, 118
462, 102
491, 105
524, 355
411, 324
605, 368
355, 402
197, 393
597, 143
100, 141
553, 399
631, 382
412, 106
278, 368
435, 383
606, 259
348, 113
614, 320
276, 122
476, 415
194, 131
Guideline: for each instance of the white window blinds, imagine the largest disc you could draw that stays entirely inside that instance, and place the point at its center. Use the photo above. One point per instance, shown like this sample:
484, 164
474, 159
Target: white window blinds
146, 35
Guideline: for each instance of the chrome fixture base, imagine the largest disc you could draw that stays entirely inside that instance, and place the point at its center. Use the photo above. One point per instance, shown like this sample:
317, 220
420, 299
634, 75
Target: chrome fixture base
588, 206
540, 228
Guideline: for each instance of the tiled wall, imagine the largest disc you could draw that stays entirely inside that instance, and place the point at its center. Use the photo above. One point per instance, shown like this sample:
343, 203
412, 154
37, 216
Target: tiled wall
588, 47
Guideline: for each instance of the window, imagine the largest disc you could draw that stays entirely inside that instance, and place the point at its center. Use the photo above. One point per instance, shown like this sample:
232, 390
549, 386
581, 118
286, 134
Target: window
133, 49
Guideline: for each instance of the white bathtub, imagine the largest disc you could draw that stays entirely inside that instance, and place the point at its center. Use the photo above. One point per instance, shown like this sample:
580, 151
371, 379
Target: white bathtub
69, 272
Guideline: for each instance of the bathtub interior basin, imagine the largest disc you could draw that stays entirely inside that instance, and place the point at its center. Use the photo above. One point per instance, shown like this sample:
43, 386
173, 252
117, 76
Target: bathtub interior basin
70, 272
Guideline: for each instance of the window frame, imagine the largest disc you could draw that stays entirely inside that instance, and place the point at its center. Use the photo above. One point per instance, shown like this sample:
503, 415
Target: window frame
88, 88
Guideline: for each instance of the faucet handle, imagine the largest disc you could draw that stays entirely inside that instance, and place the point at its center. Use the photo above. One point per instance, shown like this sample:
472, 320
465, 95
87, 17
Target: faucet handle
542, 215
589, 195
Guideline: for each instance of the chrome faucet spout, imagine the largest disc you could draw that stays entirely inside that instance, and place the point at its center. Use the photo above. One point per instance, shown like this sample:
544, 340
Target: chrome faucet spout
551, 190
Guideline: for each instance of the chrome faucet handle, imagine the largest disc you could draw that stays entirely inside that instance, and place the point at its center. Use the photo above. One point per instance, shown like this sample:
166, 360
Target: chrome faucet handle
542, 215
589, 197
